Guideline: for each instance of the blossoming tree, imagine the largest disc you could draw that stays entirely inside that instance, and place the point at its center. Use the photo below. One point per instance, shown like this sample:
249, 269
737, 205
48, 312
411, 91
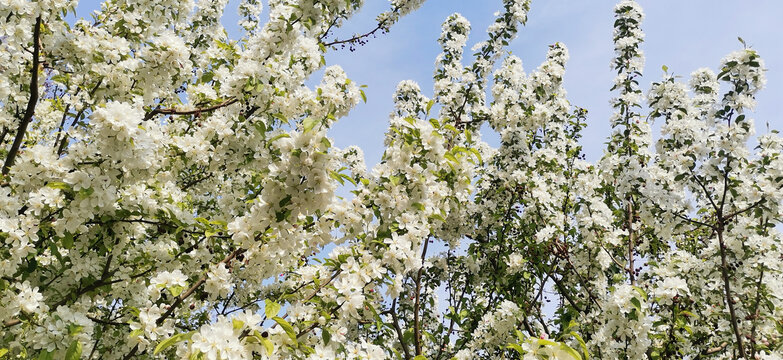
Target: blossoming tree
169, 193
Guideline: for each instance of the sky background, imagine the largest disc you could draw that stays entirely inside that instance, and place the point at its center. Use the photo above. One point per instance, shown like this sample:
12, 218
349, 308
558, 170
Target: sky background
683, 35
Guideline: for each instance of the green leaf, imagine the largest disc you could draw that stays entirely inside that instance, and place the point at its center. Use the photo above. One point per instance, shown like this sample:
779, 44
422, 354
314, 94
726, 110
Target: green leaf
271, 308
67, 240
688, 313
516, 347
257, 337
74, 329
220, 223
74, 351
641, 292
176, 290
326, 143
364, 96
394, 180
335, 175
419, 357
58, 185
309, 123
570, 351
520, 335
286, 327
83, 193
237, 324
267, 345
476, 154
281, 117
548, 342
43, 355
582, 344
637, 304
279, 136
4, 351
172, 341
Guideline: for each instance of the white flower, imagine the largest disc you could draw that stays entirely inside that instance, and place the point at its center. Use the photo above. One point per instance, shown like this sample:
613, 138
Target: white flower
28, 298
219, 341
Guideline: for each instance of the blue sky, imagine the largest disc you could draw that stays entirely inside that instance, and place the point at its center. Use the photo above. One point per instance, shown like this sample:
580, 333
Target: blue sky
683, 35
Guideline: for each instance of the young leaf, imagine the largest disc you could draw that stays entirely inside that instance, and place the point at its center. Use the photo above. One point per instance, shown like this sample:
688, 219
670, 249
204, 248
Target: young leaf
271, 308
74, 351
172, 341
286, 327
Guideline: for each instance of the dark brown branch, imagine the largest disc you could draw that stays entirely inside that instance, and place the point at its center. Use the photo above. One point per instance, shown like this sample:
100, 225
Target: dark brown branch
721, 226
716, 349
446, 337
398, 330
727, 287
2, 136
563, 292
11, 322
739, 212
76, 118
193, 288
173, 111
312, 326
755, 315
357, 38
706, 192
629, 224
62, 124
181, 298
417, 302
30, 111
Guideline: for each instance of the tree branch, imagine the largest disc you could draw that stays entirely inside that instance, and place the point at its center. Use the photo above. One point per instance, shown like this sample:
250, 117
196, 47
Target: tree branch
727, 288
181, 298
398, 330
30, 111
417, 301
173, 111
